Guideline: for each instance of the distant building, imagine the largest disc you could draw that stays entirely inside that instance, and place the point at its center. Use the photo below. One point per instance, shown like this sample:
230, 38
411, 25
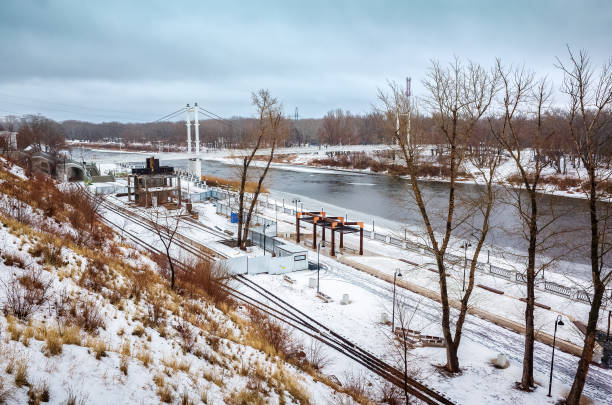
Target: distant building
11, 139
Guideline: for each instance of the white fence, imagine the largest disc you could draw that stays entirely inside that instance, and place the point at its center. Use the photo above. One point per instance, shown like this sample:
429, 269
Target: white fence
261, 264
403, 243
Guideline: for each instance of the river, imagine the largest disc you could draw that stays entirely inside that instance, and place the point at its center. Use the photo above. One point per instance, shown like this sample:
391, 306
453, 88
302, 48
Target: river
388, 201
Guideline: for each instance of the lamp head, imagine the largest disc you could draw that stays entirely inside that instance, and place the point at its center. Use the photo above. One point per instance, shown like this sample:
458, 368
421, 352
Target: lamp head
560, 323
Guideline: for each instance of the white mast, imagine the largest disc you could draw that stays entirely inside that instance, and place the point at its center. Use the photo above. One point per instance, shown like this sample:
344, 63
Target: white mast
196, 124
408, 94
188, 130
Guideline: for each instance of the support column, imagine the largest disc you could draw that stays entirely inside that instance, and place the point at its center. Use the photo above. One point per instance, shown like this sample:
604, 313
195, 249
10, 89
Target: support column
146, 193
129, 189
323, 231
196, 124
342, 234
297, 226
188, 130
178, 188
361, 239
314, 232
333, 240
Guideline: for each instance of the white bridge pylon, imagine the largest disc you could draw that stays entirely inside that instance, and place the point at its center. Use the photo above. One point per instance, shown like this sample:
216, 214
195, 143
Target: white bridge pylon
196, 124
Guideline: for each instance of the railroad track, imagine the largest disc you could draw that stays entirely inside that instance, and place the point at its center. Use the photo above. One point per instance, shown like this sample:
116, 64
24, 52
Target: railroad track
281, 310
180, 240
286, 311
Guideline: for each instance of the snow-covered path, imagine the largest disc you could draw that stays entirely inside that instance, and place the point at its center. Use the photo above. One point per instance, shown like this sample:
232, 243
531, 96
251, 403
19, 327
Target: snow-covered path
480, 336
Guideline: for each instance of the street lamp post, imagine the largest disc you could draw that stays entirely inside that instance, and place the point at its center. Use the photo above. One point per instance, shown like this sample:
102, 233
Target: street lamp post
397, 273
319, 262
558, 322
264, 235
296, 201
465, 246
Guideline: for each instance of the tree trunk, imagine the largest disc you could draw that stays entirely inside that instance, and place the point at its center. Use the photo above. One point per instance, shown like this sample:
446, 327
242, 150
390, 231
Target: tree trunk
589, 341
527, 377
171, 268
573, 397
240, 243
452, 361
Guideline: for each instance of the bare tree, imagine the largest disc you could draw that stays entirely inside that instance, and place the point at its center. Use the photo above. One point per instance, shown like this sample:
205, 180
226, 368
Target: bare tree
337, 127
402, 341
269, 132
166, 225
523, 110
459, 96
590, 104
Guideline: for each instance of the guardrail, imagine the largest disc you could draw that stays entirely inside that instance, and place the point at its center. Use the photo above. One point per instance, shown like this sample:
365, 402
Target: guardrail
403, 243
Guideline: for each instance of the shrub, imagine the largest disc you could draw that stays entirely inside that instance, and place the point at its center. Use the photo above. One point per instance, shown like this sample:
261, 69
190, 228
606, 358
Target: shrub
49, 251
26, 294
87, 316
186, 334
94, 276
207, 277
13, 260
155, 311
271, 333
316, 356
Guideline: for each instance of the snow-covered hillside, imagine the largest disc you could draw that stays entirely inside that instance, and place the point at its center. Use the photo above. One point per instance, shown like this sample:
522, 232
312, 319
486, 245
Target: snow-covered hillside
88, 319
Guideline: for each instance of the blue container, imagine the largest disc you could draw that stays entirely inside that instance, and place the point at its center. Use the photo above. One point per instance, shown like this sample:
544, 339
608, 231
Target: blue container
234, 218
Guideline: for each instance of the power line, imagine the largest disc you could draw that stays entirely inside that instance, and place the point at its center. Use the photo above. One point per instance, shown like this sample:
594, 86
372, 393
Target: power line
216, 117
171, 115
66, 105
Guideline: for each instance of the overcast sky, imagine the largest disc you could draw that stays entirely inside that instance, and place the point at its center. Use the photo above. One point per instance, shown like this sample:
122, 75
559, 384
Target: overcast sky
139, 60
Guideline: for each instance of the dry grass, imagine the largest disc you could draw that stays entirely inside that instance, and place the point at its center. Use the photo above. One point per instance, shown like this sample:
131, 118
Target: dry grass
164, 391
6, 391
290, 383
234, 185
53, 343
144, 355
75, 398
245, 396
72, 336
177, 364
38, 393
21, 372
11, 259
139, 330
123, 364
14, 330
98, 346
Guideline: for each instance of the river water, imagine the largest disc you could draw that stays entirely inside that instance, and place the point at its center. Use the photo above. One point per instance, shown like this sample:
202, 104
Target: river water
389, 202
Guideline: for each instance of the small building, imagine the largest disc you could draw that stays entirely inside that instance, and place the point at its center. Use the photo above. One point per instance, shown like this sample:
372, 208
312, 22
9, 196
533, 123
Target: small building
154, 185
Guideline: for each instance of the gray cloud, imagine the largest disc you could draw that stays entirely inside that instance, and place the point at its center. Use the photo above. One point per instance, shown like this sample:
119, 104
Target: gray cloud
139, 60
